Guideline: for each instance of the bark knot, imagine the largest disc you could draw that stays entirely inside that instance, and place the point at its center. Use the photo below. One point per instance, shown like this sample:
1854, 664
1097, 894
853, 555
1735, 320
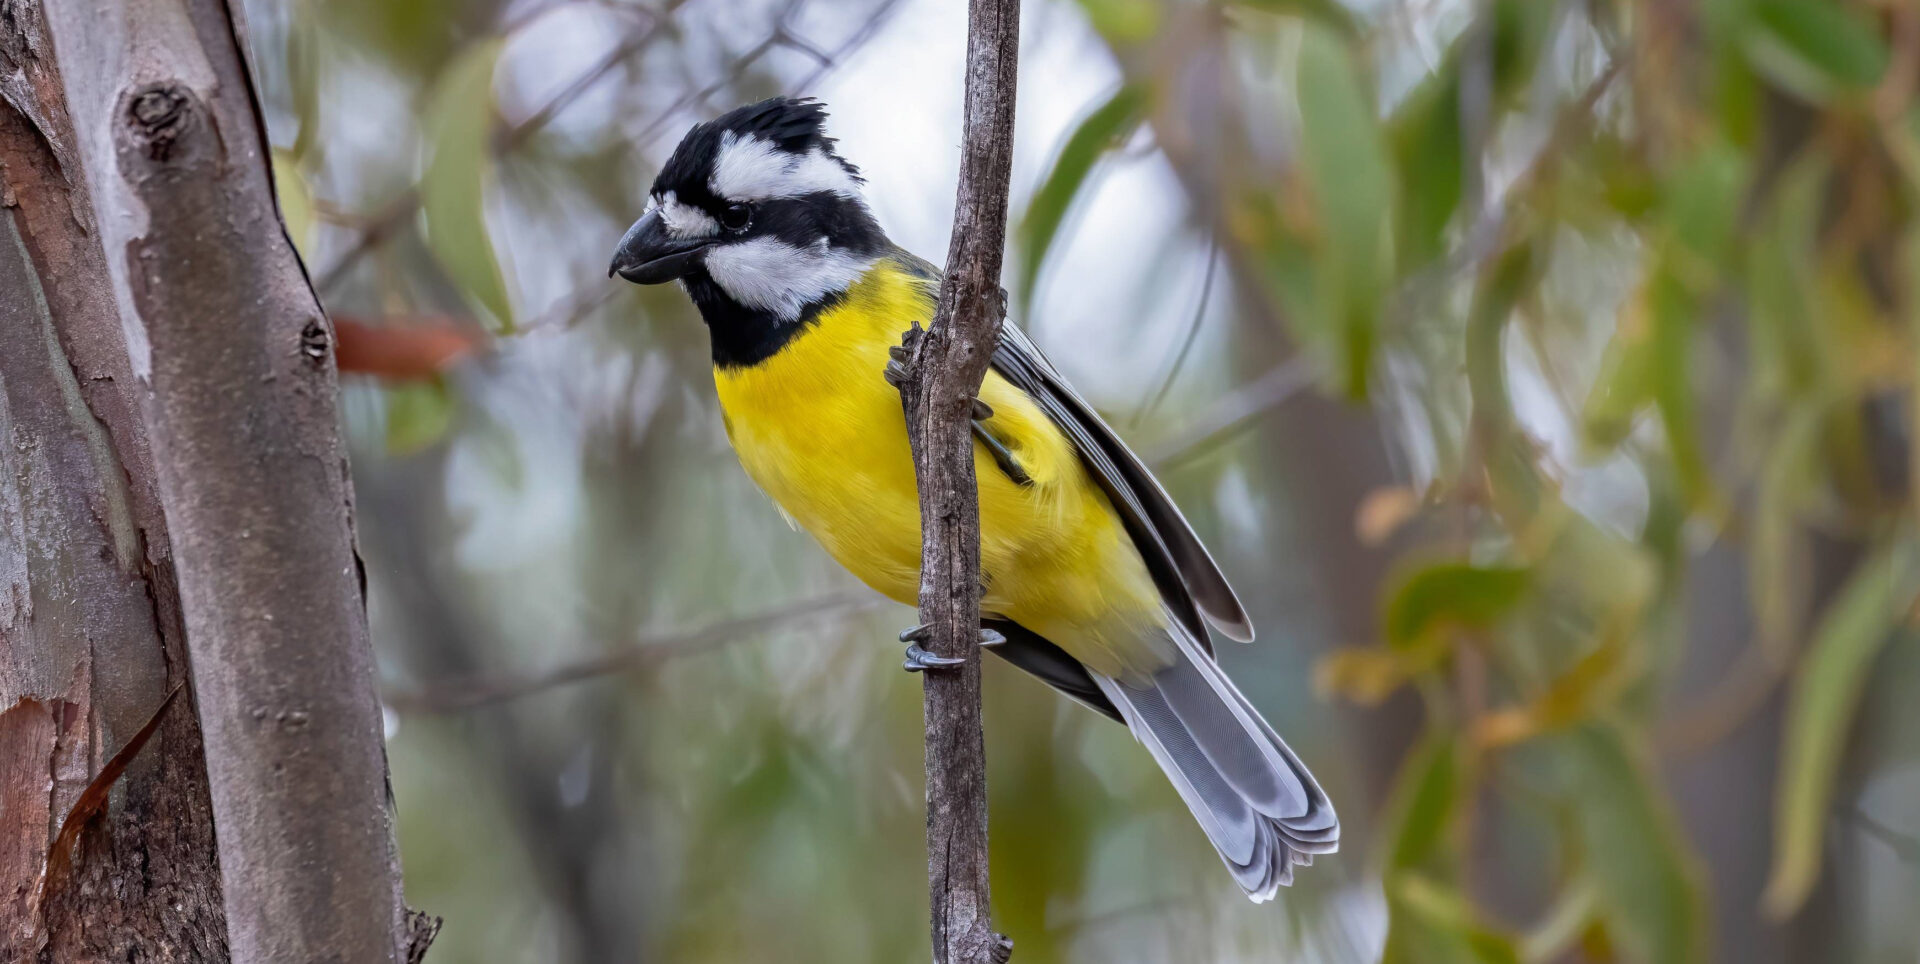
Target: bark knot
160, 114
313, 340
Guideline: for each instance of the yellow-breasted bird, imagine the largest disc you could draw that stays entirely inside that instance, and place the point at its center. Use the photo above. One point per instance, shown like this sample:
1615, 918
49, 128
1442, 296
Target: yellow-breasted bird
1094, 582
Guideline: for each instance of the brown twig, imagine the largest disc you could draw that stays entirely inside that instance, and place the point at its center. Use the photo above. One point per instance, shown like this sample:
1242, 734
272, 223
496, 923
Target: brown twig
382, 226
945, 365
454, 695
1235, 411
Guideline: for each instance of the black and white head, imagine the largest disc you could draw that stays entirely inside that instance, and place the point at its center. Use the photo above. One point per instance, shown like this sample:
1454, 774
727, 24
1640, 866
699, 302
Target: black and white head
760, 220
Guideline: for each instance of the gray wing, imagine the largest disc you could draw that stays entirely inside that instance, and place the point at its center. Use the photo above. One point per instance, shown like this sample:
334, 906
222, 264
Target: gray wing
1188, 578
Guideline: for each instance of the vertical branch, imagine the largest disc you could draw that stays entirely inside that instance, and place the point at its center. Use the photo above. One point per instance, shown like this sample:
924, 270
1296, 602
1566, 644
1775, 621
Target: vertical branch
945, 366
231, 359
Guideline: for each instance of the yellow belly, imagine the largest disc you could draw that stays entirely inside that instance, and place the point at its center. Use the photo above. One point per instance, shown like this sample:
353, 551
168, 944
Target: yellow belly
819, 428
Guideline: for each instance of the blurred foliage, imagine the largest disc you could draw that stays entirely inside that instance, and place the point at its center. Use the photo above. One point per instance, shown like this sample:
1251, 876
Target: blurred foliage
1629, 288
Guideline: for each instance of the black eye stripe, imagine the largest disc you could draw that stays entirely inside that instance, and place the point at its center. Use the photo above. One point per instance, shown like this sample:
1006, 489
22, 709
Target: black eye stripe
803, 221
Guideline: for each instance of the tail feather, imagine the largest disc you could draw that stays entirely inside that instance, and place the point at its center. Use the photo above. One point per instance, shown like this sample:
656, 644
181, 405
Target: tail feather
1257, 802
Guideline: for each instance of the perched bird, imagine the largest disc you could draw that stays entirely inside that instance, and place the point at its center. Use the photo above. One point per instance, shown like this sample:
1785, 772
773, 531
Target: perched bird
1093, 580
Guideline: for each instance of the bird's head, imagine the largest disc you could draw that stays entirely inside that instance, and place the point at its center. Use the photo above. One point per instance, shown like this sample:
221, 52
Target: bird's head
759, 218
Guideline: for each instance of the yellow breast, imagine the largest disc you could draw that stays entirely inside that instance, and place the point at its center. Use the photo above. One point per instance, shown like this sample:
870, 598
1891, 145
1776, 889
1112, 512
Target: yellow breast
820, 429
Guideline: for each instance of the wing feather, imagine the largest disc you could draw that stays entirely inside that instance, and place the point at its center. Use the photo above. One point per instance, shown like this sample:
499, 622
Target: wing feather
1187, 576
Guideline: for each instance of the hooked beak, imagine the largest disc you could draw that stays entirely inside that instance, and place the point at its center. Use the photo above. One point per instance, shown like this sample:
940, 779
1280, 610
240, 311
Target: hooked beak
648, 255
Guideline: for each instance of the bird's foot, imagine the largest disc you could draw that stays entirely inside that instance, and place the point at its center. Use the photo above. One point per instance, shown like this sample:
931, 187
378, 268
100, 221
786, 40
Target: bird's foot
1001, 455
896, 375
898, 355
919, 659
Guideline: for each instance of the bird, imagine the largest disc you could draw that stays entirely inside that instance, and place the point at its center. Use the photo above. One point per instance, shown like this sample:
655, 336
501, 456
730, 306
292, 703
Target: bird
1092, 579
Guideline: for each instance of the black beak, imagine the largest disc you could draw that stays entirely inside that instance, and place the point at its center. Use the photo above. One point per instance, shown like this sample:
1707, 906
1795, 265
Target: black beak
648, 255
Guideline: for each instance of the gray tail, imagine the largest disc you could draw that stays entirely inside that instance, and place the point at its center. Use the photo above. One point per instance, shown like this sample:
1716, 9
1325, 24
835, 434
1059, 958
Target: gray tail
1252, 795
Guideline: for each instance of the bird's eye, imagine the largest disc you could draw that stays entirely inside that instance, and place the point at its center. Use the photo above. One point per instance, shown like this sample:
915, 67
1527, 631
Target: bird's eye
736, 217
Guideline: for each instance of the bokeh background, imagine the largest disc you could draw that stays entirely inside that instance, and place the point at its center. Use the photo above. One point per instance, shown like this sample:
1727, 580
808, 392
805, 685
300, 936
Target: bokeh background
1541, 371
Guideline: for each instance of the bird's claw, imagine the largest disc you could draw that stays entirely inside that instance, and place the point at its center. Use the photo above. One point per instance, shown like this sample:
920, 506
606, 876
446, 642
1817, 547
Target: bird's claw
920, 660
899, 355
1002, 456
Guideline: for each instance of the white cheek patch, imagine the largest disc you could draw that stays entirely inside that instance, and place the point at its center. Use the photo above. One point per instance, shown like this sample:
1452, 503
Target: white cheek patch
685, 220
752, 169
778, 278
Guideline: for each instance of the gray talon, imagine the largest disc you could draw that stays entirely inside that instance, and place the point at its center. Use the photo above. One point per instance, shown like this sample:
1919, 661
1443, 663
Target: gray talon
1001, 455
981, 411
919, 659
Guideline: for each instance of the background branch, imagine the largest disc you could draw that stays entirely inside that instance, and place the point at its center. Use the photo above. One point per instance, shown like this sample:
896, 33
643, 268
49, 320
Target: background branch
945, 366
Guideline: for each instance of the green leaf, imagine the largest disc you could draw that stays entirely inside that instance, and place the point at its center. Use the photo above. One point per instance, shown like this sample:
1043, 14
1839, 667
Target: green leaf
303, 75
1328, 13
1819, 49
460, 122
1124, 21
1453, 595
1425, 133
1672, 310
1521, 30
1870, 610
1624, 385
1424, 799
418, 415
1344, 154
1630, 846
1512, 475
1702, 202
1780, 280
1103, 130
296, 201
1432, 924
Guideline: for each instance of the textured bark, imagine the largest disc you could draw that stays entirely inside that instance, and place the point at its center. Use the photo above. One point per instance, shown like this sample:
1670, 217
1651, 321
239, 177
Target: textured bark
945, 367
90, 633
172, 494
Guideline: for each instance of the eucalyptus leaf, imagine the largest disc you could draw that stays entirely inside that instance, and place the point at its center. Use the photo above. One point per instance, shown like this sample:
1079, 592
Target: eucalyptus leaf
1103, 130
295, 199
1870, 611
460, 124
1344, 152
1630, 847
1453, 595
1425, 799
418, 415
1817, 48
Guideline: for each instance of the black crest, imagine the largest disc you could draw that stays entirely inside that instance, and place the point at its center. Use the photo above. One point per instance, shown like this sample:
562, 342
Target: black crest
796, 125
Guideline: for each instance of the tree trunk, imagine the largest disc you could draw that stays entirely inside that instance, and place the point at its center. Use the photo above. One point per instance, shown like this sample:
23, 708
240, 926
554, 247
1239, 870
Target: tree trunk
174, 509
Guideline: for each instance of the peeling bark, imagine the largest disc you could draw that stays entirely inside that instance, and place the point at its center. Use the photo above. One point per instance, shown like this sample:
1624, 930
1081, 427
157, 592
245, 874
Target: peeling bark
90, 637
171, 482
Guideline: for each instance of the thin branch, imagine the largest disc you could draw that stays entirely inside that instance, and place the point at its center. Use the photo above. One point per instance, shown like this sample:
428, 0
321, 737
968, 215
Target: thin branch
449, 696
570, 309
881, 15
1730, 704
943, 369
512, 137
382, 226
1486, 237
1192, 335
1234, 412
1904, 845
